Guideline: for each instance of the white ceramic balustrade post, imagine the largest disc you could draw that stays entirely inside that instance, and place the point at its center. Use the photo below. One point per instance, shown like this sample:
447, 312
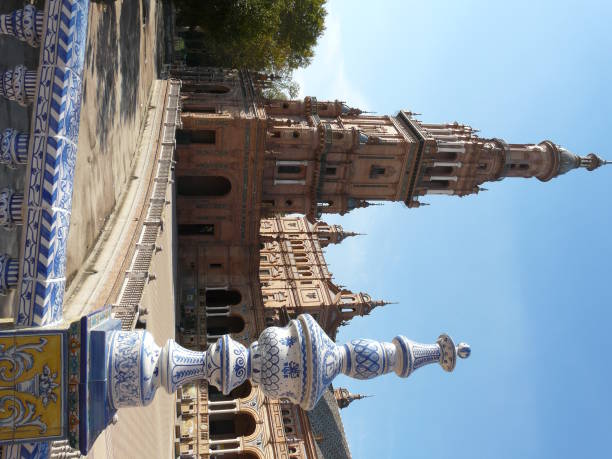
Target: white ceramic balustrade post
11, 208
9, 273
14, 147
19, 85
25, 25
297, 362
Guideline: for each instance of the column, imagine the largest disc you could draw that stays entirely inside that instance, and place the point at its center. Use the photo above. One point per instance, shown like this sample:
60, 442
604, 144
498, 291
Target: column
446, 164
289, 182
217, 311
25, 25
11, 208
449, 192
14, 147
9, 273
19, 85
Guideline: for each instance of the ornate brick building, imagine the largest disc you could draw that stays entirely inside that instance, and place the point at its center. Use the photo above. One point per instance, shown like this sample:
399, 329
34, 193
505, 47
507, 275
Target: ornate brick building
245, 166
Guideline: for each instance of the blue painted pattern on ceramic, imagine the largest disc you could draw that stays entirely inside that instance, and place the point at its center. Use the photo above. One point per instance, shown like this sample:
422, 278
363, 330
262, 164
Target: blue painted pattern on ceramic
52, 157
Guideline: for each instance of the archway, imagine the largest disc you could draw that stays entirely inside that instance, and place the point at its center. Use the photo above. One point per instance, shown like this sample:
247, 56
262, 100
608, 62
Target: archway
225, 426
206, 185
217, 326
222, 297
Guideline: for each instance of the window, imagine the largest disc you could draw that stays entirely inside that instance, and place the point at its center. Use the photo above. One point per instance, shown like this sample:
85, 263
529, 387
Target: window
288, 202
330, 171
439, 170
207, 136
285, 105
439, 184
226, 426
223, 325
194, 230
222, 297
289, 169
296, 134
376, 171
204, 136
215, 266
208, 88
264, 272
199, 109
446, 156
206, 185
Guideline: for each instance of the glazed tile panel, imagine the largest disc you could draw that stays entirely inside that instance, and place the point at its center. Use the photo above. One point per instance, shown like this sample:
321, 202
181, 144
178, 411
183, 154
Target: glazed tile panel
51, 161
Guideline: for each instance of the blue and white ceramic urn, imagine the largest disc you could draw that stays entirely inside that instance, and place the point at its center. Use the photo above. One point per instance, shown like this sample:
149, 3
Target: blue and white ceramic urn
296, 362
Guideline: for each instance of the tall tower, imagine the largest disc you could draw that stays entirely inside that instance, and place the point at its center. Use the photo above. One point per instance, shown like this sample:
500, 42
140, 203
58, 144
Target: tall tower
325, 157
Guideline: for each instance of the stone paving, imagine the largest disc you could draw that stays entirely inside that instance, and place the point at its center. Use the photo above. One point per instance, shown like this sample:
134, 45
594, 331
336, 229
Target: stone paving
120, 67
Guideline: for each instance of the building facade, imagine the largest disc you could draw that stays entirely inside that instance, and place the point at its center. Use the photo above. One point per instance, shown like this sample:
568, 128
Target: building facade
246, 167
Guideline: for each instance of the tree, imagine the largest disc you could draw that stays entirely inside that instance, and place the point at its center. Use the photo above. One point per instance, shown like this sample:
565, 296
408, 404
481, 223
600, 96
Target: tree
268, 35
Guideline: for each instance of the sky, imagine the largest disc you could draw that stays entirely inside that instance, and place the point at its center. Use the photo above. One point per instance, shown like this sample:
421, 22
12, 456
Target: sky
522, 272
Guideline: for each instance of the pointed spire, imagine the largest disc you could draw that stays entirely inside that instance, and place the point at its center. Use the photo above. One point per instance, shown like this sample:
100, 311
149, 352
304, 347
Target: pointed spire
350, 111
377, 303
344, 397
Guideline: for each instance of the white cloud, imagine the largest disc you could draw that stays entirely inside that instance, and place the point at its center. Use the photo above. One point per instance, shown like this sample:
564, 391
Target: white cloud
326, 76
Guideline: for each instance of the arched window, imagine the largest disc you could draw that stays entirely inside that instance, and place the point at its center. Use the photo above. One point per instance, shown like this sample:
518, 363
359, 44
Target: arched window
222, 297
217, 326
207, 185
243, 455
225, 426
205, 88
446, 156
439, 170
203, 136
439, 184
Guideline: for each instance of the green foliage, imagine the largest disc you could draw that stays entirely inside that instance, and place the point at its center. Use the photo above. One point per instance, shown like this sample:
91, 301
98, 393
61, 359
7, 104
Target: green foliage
268, 35
282, 88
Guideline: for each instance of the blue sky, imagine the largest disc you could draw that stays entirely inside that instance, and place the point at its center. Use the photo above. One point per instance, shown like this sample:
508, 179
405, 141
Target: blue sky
521, 272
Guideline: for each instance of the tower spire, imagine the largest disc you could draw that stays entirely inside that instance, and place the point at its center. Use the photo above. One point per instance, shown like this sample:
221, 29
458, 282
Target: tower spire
339, 159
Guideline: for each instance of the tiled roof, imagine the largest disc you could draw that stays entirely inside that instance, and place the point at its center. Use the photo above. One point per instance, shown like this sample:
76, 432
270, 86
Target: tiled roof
327, 428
